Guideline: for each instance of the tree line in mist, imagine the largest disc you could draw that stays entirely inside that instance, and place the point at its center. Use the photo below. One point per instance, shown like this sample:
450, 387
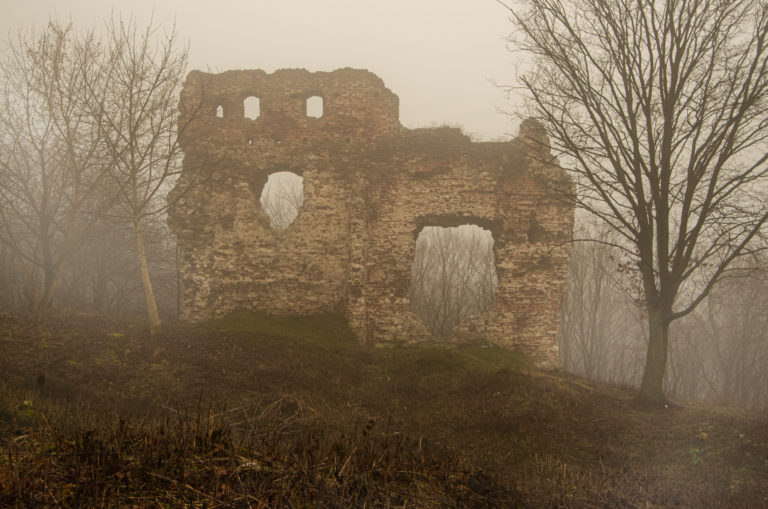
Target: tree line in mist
88, 149
718, 353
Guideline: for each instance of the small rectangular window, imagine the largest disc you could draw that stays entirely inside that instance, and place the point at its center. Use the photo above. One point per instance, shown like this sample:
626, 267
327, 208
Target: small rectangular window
315, 106
252, 107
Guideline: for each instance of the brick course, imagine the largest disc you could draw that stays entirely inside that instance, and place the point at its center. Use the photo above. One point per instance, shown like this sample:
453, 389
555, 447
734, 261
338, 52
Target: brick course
370, 186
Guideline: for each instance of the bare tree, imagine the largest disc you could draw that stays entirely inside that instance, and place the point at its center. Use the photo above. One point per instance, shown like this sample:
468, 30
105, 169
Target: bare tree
659, 110
51, 159
600, 323
282, 197
139, 122
719, 352
453, 276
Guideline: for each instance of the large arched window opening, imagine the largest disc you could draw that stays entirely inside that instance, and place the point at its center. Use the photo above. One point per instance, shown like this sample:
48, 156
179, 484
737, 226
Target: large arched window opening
282, 197
453, 276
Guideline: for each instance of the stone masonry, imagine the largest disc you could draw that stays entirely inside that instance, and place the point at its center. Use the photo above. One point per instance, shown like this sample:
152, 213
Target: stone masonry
370, 186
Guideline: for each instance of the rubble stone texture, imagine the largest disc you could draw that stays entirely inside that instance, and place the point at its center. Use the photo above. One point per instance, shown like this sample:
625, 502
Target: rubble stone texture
370, 186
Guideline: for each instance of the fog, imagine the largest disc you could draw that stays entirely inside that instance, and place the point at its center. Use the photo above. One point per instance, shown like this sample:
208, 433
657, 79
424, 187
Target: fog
444, 59
201, 305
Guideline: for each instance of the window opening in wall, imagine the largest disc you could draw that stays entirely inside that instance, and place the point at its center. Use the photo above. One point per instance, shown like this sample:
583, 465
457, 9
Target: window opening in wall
220, 111
453, 276
315, 106
252, 107
282, 198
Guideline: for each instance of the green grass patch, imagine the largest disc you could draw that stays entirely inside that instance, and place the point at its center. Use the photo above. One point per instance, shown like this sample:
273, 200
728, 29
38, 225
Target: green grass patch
327, 329
452, 360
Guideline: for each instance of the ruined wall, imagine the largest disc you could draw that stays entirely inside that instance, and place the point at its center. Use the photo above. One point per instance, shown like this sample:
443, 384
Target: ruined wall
370, 186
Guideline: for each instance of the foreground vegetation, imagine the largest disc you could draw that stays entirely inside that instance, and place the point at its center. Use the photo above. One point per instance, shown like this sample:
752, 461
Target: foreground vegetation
252, 411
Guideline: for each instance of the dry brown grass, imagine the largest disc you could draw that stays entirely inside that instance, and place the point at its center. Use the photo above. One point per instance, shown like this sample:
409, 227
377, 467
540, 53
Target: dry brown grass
256, 411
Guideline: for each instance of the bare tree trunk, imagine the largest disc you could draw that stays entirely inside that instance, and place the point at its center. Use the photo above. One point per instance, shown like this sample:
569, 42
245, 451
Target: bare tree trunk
658, 109
652, 386
178, 281
152, 314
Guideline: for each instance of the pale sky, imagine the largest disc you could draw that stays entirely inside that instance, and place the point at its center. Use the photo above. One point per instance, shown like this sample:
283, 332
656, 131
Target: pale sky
440, 57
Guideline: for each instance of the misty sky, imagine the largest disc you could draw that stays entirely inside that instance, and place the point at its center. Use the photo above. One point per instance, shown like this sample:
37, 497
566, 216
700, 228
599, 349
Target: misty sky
439, 56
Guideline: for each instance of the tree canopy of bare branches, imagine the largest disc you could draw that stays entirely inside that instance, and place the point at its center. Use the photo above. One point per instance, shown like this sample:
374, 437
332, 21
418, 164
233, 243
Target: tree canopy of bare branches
658, 109
600, 321
89, 146
52, 162
138, 119
453, 276
282, 197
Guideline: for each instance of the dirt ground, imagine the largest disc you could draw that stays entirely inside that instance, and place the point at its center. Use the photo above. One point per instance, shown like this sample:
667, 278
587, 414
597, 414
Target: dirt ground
257, 411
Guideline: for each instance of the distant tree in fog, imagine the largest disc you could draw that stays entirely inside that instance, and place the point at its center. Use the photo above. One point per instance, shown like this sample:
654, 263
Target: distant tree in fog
282, 197
52, 162
720, 351
453, 276
601, 333
659, 110
88, 150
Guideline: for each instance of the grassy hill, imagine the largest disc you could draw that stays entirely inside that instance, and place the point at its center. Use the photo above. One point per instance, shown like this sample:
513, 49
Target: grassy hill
257, 411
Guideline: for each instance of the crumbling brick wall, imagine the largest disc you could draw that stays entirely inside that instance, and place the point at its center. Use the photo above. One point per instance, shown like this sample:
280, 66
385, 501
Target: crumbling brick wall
370, 186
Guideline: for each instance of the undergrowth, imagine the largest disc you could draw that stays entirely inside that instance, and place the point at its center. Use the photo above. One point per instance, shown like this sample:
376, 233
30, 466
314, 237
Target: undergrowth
259, 411
259, 461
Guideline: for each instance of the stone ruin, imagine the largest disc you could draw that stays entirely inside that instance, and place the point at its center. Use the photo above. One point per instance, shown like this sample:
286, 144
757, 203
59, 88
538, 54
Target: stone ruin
370, 186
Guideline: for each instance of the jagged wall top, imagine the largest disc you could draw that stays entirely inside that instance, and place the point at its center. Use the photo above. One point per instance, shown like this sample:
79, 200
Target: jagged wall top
356, 103
369, 187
